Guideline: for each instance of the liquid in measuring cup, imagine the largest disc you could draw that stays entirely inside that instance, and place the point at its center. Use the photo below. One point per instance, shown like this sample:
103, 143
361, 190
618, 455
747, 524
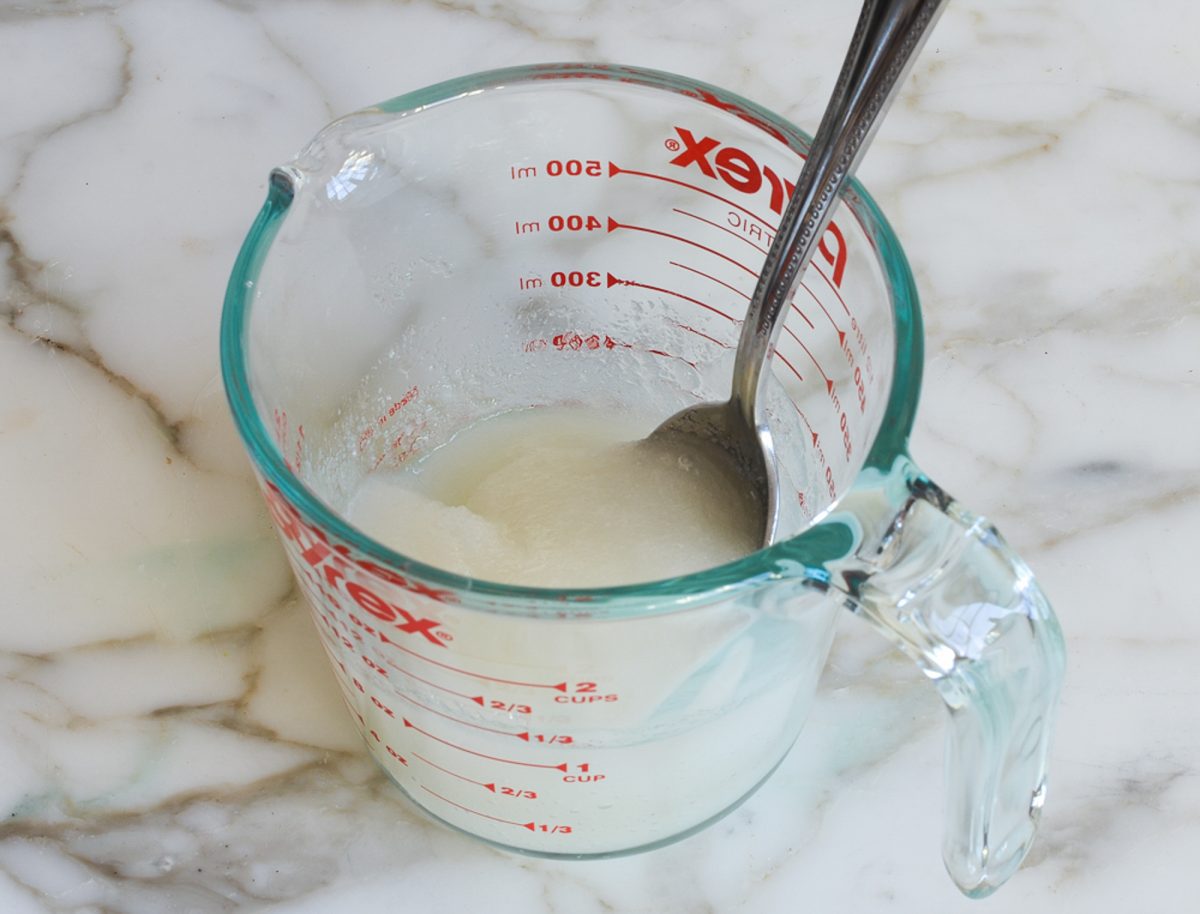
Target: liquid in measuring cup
560, 497
491, 734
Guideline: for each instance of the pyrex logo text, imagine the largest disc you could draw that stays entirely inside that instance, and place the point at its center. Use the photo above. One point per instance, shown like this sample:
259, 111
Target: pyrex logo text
333, 562
741, 172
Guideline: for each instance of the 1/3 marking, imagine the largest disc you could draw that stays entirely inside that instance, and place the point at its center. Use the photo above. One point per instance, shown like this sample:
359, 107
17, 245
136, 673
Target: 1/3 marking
547, 738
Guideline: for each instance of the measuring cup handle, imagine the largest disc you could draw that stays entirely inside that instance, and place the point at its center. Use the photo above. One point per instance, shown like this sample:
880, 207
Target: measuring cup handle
942, 584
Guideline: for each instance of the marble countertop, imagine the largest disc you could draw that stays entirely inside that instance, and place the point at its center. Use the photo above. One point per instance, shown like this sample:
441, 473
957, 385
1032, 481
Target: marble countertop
170, 740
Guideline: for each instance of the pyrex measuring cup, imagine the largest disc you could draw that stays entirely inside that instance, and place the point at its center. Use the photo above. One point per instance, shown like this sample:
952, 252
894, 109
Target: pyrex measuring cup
586, 234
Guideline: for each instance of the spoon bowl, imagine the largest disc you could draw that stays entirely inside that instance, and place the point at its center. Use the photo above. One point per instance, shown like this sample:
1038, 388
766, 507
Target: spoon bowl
888, 38
720, 432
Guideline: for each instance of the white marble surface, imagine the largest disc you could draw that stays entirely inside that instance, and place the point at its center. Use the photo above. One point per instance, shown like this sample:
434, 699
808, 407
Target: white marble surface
169, 738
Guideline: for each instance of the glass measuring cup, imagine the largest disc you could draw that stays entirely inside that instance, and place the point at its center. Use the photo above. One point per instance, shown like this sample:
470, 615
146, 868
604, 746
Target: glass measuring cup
589, 234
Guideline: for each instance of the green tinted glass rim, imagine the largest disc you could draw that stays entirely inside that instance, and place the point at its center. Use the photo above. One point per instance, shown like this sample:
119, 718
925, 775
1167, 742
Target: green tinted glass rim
804, 554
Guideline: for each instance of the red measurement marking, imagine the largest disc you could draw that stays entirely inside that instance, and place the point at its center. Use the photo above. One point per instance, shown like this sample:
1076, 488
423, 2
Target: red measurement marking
454, 774
478, 699
841, 334
281, 428
723, 228
828, 381
796, 308
832, 287
807, 424
510, 707
557, 686
613, 225
836, 260
475, 812
738, 292
614, 170
614, 281
713, 278
576, 343
803, 316
829, 480
668, 355
562, 766
383, 418
396, 755
547, 738
711, 339
592, 342
402, 447
459, 720
779, 355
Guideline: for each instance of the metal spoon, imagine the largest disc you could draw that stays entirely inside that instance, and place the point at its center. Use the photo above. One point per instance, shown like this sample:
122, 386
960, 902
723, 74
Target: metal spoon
888, 38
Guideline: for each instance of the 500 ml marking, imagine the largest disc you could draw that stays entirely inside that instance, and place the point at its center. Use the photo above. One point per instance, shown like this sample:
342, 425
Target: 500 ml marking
555, 168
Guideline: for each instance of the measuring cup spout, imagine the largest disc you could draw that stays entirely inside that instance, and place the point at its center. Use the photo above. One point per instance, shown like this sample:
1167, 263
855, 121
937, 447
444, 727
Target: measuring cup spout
942, 584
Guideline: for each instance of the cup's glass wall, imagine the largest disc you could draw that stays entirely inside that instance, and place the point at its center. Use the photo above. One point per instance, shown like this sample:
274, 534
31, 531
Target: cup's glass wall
553, 242
554, 238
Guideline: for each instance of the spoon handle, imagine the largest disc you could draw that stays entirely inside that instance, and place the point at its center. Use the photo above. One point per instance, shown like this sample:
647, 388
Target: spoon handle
888, 38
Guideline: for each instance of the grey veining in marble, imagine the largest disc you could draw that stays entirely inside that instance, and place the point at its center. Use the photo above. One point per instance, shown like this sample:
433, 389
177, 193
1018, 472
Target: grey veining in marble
170, 740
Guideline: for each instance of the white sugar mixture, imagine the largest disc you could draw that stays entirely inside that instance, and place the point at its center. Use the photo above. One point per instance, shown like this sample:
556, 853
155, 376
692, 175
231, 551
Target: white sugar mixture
559, 497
